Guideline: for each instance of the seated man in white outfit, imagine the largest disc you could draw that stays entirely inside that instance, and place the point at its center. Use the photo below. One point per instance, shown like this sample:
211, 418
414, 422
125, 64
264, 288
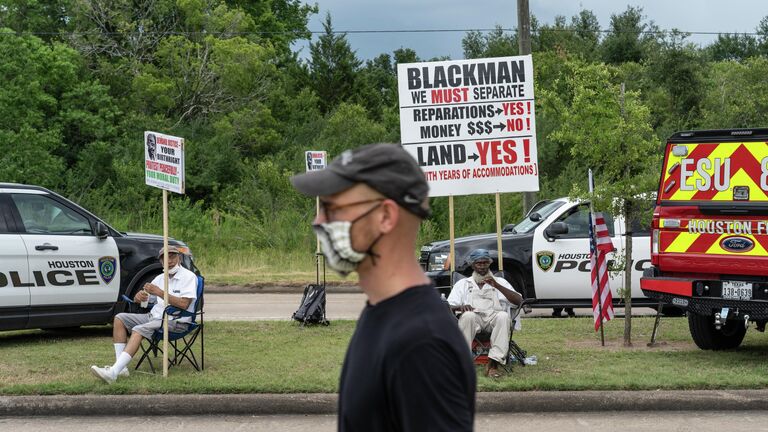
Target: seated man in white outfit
484, 301
181, 294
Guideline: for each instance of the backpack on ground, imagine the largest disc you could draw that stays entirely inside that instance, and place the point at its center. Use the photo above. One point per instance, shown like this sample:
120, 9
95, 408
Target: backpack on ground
312, 307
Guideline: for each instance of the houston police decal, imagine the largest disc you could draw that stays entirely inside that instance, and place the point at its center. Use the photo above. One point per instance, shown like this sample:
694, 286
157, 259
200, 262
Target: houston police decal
545, 259
737, 244
107, 266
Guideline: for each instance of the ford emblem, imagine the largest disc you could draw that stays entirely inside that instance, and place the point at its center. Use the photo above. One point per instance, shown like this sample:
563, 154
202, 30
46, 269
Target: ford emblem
737, 244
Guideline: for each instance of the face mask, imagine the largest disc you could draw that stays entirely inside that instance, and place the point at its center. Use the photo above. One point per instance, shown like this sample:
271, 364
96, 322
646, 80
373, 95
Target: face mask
336, 244
173, 270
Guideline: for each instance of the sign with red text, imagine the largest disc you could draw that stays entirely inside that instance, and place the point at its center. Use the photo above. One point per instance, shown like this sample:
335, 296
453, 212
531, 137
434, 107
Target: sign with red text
316, 160
471, 124
164, 161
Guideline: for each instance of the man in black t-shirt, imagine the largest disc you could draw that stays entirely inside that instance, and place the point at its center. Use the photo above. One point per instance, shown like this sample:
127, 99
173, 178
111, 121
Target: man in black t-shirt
407, 366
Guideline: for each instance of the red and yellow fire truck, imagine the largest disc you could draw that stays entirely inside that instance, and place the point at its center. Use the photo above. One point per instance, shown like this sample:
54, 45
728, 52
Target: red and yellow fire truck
709, 238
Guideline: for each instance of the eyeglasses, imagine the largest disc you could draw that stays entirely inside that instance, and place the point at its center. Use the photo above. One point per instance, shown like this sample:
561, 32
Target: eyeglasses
330, 210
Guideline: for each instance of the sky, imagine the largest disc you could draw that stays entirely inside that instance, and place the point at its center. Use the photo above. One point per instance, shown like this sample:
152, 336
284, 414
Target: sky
349, 15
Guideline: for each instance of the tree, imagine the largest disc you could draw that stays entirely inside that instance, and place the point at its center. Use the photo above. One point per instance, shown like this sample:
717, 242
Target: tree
611, 132
673, 79
43, 18
333, 67
731, 94
628, 37
495, 43
282, 22
376, 86
51, 110
736, 47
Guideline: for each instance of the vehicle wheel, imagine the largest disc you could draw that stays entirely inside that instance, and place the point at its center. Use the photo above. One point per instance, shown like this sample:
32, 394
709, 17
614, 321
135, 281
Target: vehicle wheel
144, 280
516, 280
707, 337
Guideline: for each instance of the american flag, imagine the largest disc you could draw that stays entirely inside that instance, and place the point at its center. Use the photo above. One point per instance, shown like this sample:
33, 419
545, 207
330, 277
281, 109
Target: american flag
599, 246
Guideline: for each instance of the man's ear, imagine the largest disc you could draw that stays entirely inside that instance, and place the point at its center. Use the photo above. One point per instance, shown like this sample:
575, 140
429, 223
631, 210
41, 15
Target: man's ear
390, 215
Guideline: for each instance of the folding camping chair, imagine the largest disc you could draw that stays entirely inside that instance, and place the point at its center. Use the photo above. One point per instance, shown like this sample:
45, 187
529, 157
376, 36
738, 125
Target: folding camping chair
481, 344
180, 343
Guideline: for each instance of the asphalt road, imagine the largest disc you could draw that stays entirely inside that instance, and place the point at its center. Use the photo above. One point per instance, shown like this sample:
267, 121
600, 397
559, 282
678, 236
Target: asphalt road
626, 421
340, 306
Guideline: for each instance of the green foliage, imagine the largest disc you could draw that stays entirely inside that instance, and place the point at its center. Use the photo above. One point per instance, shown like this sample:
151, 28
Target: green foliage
732, 94
35, 16
495, 43
347, 127
733, 47
333, 67
580, 38
628, 39
612, 137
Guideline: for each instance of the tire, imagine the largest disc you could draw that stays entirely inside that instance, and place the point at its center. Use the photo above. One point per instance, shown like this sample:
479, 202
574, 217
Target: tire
134, 289
516, 280
707, 337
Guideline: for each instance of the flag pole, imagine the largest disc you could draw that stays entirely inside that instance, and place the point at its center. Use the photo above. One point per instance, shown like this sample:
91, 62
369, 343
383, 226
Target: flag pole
594, 242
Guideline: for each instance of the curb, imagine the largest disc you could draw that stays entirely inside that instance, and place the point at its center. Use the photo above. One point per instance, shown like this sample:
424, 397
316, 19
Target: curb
325, 403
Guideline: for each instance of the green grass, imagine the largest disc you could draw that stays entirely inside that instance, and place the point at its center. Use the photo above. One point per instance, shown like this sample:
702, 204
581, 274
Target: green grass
265, 357
252, 266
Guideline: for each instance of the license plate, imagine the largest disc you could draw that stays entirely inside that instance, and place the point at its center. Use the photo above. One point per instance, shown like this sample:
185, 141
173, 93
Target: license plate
737, 290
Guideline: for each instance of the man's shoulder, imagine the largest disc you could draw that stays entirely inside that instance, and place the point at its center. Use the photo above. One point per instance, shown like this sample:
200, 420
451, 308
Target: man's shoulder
503, 282
463, 283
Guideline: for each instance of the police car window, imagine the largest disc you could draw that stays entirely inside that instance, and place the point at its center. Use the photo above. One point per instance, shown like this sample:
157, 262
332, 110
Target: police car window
3, 225
544, 210
577, 220
42, 215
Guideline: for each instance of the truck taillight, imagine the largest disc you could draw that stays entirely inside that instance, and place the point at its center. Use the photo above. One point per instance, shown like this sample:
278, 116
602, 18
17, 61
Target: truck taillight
655, 242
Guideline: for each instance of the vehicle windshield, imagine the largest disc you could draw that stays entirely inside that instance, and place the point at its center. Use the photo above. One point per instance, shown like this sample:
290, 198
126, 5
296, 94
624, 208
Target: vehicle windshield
527, 225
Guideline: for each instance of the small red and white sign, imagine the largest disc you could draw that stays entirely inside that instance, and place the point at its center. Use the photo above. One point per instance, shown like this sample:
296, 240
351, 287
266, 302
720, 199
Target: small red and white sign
471, 124
164, 161
316, 160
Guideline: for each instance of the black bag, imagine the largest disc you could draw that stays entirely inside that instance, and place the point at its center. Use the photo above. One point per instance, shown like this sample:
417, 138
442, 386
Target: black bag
312, 307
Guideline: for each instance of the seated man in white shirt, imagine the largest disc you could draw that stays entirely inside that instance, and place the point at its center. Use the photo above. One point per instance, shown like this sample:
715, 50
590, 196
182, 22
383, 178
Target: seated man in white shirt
182, 293
484, 300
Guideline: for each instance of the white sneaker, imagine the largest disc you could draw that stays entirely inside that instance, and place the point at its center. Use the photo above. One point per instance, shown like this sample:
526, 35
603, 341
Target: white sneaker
104, 373
123, 373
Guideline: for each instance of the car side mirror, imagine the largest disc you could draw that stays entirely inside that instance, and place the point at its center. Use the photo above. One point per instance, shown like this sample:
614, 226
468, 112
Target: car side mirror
555, 230
101, 231
508, 228
534, 217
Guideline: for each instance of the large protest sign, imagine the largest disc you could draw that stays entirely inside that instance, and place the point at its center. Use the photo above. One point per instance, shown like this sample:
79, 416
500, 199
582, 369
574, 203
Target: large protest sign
471, 124
164, 161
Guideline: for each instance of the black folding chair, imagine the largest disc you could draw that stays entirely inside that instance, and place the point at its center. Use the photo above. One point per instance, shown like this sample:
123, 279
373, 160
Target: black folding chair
180, 343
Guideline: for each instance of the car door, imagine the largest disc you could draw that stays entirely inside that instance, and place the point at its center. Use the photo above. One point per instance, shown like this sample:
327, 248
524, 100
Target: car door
14, 271
561, 267
74, 275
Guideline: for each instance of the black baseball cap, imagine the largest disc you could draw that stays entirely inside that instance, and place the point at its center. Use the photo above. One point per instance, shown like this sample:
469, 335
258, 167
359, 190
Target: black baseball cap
386, 168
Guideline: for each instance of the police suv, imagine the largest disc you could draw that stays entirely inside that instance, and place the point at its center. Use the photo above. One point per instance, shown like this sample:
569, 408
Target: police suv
61, 266
546, 256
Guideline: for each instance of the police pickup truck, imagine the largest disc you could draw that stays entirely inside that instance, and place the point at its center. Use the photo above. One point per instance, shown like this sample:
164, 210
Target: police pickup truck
546, 256
61, 266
